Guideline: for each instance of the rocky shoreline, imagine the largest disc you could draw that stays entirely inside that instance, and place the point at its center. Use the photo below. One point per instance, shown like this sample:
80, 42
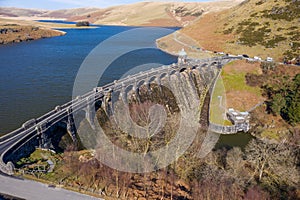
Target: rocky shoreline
13, 33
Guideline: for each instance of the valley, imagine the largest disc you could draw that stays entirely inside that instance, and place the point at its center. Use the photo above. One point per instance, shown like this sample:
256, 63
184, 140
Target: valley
145, 131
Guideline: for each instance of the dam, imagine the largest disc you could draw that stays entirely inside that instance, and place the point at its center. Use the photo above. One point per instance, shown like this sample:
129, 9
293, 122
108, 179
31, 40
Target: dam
189, 95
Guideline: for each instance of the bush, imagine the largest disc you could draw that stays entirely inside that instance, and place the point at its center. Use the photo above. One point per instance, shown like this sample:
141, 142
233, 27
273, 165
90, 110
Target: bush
288, 12
274, 42
228, 31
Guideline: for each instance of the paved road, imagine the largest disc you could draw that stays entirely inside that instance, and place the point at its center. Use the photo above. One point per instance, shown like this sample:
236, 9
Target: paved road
32, 190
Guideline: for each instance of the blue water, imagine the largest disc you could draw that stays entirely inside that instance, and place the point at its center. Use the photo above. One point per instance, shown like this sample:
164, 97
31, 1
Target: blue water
36, 76
57, 21
62, 22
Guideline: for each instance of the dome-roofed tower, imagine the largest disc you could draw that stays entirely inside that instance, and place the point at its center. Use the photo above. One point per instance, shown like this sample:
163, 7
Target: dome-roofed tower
182, 56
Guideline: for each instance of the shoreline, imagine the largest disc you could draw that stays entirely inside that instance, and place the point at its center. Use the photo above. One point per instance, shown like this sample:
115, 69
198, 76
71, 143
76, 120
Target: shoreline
165, 50
60, 31
171, 44
31, 22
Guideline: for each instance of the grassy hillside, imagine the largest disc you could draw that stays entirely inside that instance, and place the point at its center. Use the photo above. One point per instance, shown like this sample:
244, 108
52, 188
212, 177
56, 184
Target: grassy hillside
67, 13
154, 13
19, 12
63, 13
255, 27
166, 14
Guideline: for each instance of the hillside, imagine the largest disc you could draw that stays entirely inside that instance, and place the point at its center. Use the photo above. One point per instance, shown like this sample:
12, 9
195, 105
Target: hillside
20, 12
33, 13
255, 27
154, 13
164, 14
67, 13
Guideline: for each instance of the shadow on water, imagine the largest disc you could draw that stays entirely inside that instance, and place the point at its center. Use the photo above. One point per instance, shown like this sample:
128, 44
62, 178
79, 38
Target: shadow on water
236, 140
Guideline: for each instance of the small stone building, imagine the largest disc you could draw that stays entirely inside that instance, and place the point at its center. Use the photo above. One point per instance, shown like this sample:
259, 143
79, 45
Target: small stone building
182, 57
239, 119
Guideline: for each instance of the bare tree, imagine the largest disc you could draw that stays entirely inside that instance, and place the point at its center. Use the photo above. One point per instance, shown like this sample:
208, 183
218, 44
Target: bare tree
258, 154
274, 161
236, 166
140, 114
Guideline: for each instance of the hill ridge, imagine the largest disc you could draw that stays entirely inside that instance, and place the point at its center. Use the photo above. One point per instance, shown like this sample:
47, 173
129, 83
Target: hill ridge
166, 14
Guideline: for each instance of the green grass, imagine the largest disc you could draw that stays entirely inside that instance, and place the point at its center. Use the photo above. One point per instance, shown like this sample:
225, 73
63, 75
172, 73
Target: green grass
38, 154
227, 123
270, 134
237, 82
218, 105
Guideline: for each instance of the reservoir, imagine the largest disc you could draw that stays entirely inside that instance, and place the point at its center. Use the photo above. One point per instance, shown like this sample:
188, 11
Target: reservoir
38, 75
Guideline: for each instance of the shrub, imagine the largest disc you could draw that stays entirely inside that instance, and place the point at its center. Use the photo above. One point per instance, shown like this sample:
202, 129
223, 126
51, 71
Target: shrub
228, 31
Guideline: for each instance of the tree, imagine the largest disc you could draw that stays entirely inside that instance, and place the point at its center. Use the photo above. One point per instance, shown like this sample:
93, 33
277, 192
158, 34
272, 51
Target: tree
293, 102
278, 103
275, 166
140, 113
284, 97
234, 159
293, 111
236, 166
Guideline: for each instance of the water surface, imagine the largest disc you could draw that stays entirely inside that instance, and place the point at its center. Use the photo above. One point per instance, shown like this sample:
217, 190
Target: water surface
36, 76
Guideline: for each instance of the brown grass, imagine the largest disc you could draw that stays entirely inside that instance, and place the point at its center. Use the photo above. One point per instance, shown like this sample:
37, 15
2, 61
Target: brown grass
208, 31
242, 100
163, 22
241, 66
238, 94
205, 32
288, 70
154, 13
